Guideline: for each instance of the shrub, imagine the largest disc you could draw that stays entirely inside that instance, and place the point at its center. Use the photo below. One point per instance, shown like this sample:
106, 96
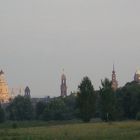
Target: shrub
14, 125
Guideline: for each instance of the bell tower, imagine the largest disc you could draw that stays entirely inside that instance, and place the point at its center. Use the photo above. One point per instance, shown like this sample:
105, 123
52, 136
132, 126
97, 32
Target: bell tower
114, 81
63, 86
27, 92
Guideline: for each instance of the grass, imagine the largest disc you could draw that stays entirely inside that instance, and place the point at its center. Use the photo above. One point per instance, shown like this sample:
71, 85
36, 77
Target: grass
129, 130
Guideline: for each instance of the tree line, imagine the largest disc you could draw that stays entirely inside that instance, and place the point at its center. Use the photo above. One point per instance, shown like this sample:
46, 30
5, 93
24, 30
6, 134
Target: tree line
85, 104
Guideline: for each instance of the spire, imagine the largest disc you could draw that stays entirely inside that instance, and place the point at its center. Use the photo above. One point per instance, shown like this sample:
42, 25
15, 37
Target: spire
114, 81
113, 67
63, 86
1, 72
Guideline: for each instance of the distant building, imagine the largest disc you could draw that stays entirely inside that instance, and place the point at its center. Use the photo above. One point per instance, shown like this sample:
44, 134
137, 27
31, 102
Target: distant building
36, 100
4, 91
27, 92
114, 81
63, 86
137, 76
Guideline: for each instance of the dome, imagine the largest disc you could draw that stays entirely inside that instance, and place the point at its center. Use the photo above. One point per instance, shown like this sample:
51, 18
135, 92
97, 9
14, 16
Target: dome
137, 72
137, 76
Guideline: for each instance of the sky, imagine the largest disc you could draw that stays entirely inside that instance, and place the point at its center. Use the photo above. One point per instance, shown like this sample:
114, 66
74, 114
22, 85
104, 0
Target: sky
40, 38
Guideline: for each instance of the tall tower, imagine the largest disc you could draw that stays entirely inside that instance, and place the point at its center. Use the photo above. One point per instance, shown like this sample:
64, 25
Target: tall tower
114, 81
27, 92
4, 91
63, 86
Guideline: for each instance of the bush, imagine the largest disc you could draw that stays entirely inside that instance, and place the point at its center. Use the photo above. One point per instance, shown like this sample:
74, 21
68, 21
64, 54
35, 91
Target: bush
14, 125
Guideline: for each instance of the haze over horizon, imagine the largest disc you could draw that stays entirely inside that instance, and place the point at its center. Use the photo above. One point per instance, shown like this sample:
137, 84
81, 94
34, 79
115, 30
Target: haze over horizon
85, 37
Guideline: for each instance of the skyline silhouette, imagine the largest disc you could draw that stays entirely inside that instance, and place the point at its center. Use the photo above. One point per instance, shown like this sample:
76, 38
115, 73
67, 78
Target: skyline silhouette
40, 38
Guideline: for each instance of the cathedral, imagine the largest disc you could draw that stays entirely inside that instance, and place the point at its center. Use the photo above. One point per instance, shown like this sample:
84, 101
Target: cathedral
137, 76
114, 80
63, 86
4, 91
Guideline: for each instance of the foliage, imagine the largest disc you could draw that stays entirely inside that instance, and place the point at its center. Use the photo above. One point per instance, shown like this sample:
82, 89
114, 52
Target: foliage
87, 103
131, 99
20, 109
86, 99
71, 108
39, 109
2, 115
107, 101
138, 116
14, 125
55, 110
119, 105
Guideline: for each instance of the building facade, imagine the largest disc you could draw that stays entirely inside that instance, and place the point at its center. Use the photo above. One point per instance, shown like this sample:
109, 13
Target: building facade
137, 76
4, 91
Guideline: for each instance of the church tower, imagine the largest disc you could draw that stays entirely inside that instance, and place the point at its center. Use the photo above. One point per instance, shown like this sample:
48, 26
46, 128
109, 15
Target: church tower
63, 86
4, 91
27, 92
114, 81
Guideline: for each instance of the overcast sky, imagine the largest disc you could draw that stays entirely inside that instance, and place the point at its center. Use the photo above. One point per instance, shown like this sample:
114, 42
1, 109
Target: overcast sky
38, 38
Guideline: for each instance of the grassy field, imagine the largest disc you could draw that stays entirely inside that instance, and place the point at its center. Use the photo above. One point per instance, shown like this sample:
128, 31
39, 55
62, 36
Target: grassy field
82, 131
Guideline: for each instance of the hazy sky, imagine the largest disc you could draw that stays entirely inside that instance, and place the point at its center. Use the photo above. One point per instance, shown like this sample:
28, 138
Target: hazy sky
38, 38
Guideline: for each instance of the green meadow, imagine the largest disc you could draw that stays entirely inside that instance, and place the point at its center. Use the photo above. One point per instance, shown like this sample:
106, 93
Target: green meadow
129, 130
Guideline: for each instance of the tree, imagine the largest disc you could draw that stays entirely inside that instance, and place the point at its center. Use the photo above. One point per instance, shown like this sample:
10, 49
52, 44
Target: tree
55, 110
86, 99
71, 108
107, 101
131, 99
119, 104
20, 109
2, 115
39, 109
